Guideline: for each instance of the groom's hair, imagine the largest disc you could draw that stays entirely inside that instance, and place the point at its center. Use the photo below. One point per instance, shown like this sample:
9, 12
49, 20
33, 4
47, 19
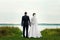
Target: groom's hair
25, 13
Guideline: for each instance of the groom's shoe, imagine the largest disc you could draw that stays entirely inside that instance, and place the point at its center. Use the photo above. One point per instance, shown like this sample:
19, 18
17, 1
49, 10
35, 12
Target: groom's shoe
26, 36
23, 36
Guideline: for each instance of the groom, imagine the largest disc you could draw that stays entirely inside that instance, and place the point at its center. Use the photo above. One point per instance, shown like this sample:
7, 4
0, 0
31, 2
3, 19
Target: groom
25, 23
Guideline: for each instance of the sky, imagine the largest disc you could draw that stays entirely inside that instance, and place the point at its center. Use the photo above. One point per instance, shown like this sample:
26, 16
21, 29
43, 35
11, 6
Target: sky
47, 11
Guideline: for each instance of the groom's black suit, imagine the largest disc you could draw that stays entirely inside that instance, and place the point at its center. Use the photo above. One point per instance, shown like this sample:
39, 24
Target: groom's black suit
25, 23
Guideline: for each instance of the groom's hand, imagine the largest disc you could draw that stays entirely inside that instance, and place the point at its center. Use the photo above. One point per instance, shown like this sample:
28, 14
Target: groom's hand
30, 25
21, 24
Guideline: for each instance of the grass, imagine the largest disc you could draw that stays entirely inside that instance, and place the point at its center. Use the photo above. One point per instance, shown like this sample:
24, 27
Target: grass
14, 33
50, 32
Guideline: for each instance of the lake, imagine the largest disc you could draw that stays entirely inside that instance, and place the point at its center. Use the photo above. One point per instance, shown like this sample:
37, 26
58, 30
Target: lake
40, 26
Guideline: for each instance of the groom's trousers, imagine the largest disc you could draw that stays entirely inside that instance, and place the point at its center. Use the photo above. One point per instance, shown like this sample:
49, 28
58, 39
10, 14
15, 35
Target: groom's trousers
25, 27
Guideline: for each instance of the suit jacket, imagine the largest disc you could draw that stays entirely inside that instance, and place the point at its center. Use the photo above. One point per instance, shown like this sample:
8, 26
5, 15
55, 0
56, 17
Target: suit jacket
25, 20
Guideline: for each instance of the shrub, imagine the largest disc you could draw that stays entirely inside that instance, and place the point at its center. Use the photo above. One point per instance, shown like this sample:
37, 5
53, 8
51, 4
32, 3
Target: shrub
9, 31
50, 32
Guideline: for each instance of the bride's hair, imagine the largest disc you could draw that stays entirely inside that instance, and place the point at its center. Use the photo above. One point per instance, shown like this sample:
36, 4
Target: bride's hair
34, 14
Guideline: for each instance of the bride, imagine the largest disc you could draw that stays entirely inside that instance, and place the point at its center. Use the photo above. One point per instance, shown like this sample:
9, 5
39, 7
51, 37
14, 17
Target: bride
34, 32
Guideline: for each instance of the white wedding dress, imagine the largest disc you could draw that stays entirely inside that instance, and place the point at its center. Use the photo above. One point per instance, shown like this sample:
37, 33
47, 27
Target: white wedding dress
34, 32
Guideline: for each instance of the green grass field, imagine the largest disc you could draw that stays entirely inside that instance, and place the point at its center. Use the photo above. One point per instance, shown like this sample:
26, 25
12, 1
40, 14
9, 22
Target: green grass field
14, 33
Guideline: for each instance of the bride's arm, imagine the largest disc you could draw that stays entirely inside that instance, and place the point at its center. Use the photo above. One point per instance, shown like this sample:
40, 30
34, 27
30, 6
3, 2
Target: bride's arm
32, 21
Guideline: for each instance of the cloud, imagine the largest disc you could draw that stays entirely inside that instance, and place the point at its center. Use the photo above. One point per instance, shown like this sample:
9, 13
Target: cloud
48, 11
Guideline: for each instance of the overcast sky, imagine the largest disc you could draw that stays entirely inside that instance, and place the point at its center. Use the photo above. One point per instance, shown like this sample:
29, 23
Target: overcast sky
48, 11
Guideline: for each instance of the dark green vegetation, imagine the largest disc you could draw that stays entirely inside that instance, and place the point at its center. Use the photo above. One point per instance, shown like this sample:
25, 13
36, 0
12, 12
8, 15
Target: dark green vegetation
50, 32
14, 33
9, 31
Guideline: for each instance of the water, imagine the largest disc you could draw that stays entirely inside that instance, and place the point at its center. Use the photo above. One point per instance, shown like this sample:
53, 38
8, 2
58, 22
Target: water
40, 26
